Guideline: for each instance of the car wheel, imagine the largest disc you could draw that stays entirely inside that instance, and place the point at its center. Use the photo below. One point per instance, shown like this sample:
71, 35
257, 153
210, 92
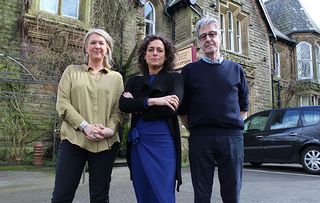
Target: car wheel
310, 159
255, 163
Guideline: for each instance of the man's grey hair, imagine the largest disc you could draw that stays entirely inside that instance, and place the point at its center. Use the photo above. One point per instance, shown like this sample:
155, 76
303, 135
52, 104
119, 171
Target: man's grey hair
206, 21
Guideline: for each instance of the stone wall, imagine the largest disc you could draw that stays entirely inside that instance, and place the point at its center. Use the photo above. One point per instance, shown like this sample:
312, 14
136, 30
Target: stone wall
10, 15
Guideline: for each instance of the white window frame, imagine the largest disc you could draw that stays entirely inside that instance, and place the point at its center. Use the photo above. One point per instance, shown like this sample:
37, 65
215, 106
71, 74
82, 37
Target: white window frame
301, 60
152, 21
49, 6
304, 101
230, 31
277, 64
58, 7
239, 37
77, 9
318, 60
223, 30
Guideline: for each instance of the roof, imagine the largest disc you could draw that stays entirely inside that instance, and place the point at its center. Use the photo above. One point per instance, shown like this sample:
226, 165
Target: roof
289, 16
267, 17
279, 34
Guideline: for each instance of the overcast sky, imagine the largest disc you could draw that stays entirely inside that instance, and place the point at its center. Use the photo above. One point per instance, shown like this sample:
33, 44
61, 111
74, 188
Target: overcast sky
313, 9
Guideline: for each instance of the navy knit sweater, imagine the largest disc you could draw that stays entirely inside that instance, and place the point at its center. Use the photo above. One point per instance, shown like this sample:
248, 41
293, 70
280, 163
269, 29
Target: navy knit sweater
214, 95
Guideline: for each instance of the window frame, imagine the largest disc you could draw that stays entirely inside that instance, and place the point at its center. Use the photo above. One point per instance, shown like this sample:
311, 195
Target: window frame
148, 21
317, 50
230, 31
239, 37
277, 64
304, 100
59, 8
300, 60
223, 30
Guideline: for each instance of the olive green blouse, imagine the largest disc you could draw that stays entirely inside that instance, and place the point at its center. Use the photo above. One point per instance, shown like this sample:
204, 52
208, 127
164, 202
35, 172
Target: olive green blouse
81, 96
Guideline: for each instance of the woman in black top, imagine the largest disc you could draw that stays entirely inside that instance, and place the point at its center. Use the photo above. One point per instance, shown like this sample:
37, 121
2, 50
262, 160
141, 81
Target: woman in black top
154, 145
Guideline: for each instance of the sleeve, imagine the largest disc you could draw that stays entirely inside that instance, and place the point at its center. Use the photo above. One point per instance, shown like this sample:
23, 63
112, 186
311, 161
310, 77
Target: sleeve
116, 115
243, 92
183, 109
131, 105
64, 106
177, 89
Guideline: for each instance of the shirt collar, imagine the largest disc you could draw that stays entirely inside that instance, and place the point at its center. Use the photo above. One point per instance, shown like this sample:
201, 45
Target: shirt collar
88, 68
209, 60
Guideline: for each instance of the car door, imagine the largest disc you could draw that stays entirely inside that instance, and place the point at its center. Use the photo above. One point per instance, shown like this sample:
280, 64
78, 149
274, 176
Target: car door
254, 130
282, 136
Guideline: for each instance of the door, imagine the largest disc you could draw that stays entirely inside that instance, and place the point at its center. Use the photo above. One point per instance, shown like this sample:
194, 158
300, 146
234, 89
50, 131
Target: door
280, 142
254, 131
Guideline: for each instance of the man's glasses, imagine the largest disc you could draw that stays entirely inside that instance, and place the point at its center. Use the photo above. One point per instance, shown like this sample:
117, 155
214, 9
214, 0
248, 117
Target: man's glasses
212, 34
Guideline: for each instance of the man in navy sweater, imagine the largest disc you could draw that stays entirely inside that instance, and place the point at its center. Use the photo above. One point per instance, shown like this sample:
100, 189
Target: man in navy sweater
214, 106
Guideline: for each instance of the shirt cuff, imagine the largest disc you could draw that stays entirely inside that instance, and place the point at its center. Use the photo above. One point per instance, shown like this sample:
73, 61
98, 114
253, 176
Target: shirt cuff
83, 124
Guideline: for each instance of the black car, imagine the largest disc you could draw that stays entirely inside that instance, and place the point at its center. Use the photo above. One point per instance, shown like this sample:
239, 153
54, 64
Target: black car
287, 135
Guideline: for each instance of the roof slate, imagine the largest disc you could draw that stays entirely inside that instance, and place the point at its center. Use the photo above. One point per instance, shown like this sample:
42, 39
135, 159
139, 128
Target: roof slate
289, 16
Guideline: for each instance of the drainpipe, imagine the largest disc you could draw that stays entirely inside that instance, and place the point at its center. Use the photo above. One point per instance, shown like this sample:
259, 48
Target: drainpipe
279, 94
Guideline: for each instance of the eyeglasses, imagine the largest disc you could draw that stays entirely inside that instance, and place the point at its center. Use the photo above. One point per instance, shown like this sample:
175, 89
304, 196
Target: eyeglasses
212, 34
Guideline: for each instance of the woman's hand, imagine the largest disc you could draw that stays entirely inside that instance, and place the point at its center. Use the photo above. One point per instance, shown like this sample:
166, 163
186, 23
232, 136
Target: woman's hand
171, 101
105, 132
91, 132
127, 95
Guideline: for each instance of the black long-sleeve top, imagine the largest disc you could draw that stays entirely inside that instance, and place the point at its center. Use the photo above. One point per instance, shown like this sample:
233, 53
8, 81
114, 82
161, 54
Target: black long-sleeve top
164, 84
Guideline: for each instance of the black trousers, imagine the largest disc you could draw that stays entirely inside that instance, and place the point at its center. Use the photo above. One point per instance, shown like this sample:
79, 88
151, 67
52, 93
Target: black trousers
210, 150
69, 168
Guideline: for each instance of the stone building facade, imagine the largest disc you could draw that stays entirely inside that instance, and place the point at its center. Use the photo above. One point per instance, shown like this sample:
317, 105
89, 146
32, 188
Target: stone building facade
44, 37
295, 55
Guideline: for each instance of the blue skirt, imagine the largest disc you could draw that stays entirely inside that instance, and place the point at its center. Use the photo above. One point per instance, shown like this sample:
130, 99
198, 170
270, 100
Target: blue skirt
153, 162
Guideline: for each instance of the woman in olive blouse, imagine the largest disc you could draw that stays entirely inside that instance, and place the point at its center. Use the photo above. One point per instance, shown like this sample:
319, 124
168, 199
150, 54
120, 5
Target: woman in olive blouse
87, 104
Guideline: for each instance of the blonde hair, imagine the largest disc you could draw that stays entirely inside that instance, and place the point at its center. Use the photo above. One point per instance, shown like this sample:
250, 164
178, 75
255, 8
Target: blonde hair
107, 60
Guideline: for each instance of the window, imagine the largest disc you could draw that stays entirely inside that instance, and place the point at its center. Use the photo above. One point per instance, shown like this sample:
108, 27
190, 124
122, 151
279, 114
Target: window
239, 41
304, 61
318, 59
149, 18
234, 25
304, 101
69, 8
285, 119
310, 117
223, 31
277, 64
257, 123
230, 32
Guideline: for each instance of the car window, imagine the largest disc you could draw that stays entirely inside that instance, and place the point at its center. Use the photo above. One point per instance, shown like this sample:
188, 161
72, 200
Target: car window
285, 119
257, 123
310, 117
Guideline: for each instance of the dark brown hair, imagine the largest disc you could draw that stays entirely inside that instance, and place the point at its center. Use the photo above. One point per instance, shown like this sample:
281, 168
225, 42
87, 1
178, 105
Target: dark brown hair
169, 53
